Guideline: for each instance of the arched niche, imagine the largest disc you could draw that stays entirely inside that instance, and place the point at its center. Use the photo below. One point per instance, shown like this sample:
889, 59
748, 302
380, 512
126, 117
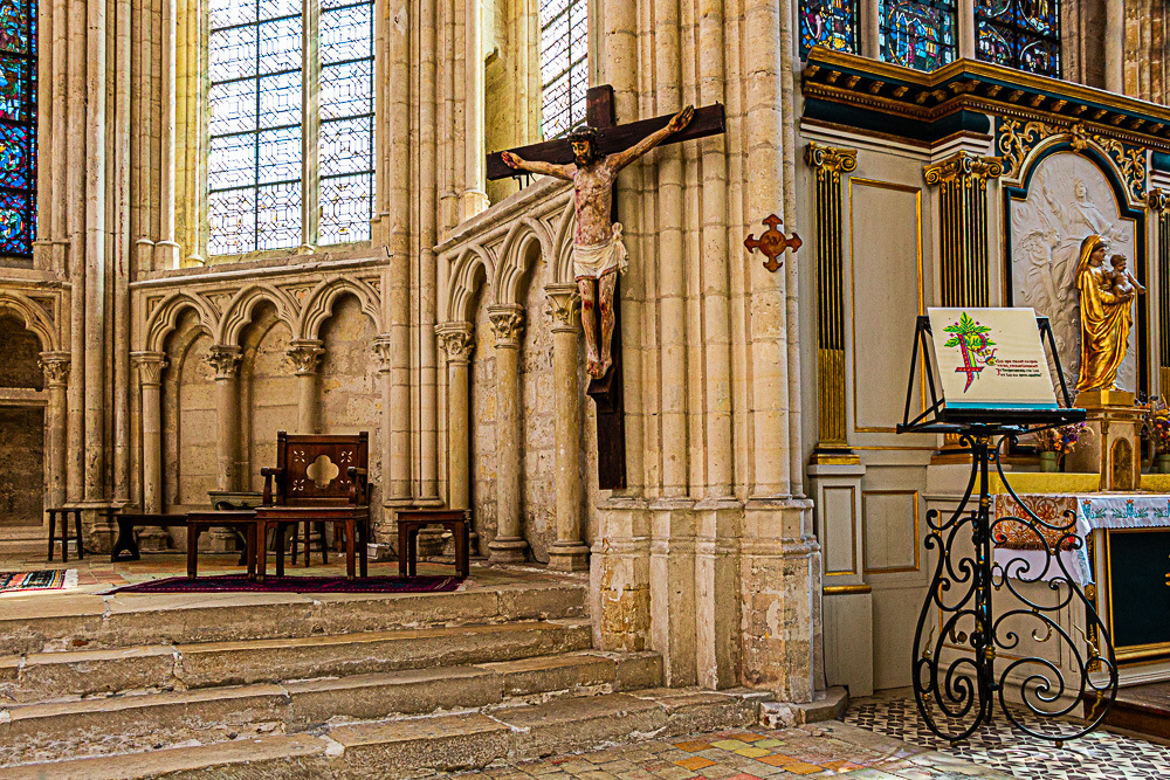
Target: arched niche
22, 425
268, 392
188, 416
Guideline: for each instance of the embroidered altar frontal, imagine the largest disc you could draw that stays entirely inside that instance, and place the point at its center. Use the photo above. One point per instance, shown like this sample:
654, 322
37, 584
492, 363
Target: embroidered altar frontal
1123, 558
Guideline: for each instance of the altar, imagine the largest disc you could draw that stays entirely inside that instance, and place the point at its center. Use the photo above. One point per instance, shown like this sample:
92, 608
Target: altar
1122, 562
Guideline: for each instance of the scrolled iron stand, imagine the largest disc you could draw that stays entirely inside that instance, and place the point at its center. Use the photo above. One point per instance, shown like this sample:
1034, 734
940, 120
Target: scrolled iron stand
954, 666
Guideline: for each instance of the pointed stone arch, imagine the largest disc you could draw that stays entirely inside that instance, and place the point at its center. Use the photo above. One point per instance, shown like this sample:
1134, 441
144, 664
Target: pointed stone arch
239, 312
34, 317
166, 317
514, 255
319, 305
560, 256
468, 273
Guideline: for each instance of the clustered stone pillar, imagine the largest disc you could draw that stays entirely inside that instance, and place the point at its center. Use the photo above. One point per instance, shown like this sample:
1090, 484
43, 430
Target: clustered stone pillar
225, 359
56, 369
456, 339
568, 553
150, 368
508, 323
305, 355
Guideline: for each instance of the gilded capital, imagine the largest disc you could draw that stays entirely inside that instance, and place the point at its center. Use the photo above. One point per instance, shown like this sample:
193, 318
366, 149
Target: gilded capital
508, 323
457, 340
305, 355
55, 366
965, 168
1158, 199
225, 359
150, 366
564, 306
830, 159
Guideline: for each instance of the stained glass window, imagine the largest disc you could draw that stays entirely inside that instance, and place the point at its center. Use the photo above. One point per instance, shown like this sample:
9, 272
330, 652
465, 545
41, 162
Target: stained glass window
919, 34
564, 65
1023, 34
258, 122
18, 126
831, 23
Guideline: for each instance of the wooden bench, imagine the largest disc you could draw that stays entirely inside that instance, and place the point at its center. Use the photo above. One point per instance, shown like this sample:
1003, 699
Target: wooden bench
457, 521
127, 521
242, 521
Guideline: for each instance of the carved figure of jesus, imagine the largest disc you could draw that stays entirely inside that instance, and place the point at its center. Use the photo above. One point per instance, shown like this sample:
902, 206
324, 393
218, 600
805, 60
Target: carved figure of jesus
598, 251
1122, 281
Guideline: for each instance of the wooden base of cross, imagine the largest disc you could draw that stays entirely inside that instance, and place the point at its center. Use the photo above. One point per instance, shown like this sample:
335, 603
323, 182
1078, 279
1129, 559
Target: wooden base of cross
606, 392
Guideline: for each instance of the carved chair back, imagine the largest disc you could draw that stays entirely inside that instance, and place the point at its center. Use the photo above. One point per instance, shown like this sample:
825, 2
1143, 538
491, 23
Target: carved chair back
318, 470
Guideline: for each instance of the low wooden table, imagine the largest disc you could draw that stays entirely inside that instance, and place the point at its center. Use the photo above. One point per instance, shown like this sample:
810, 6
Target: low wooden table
242, 520
457, 521
354, 519
127, 521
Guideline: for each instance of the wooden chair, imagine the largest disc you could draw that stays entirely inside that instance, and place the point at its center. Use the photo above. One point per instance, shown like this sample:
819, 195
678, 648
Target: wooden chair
318, 479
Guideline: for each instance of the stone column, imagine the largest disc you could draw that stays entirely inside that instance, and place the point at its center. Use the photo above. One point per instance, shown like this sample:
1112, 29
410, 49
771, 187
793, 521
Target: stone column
508, 323
305, 355
474, 197
457, 341
225, 359
568, 553
150, 368
55, 366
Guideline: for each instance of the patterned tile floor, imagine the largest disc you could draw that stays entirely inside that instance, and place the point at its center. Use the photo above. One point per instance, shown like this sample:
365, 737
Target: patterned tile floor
882, 737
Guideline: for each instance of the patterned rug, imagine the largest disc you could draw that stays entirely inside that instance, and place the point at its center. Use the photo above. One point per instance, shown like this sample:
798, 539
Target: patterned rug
45, 579
240, 582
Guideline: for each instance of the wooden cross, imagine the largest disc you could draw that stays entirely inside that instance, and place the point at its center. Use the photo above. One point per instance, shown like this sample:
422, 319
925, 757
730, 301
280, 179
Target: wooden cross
600, 114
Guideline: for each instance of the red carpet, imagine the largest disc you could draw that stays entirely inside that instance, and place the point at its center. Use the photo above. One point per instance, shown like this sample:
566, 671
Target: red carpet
240, 582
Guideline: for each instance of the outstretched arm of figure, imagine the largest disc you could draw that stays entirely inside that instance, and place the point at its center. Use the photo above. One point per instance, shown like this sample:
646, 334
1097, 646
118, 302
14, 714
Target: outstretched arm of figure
1141, 290
621, 159
537, 166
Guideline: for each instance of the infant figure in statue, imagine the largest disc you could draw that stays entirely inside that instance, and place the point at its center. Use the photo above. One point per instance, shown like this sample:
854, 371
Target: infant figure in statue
1121, 281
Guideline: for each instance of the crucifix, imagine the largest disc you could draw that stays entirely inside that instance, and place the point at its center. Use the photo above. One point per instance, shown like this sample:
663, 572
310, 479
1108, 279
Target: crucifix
591, 157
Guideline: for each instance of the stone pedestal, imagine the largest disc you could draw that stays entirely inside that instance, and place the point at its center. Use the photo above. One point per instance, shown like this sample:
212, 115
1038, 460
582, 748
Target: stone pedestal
1112, 449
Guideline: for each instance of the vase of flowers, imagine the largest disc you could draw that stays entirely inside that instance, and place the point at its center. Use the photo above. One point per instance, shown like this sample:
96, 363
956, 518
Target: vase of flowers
1054, 443
1157, 425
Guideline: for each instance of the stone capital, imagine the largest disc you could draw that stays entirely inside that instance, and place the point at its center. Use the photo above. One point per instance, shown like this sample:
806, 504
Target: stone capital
150, 367
457, 340
383, 352
829, 159
508, 323
225, 359
305, 355
965, 168
55, 366
564, 306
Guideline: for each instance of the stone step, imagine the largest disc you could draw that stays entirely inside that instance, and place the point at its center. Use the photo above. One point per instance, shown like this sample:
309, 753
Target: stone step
416, 747
146, 721
42, 677
92, 621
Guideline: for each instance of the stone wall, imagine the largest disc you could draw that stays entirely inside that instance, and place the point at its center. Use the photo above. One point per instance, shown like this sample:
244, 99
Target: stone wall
537, 477
483, 429
268, 393
22, 445
19, 348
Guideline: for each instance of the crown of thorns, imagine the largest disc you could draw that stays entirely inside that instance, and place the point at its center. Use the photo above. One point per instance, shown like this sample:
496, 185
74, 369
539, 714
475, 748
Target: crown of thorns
584, 133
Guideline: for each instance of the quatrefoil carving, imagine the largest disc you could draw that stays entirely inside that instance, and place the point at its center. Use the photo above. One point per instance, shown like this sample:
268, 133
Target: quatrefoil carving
322, 471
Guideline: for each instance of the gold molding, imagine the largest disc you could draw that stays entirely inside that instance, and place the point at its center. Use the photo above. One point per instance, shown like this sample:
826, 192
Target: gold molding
837, 590
1127, 652
864, 525
1159, 201
963, 246
964, 167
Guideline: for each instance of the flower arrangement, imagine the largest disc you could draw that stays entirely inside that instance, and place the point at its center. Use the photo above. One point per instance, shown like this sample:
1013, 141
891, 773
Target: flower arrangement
1063, 439
1156, 418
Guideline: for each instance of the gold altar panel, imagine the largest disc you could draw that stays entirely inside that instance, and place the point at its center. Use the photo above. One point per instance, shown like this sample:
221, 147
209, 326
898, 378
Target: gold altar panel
838, 540
889, 519
886, 293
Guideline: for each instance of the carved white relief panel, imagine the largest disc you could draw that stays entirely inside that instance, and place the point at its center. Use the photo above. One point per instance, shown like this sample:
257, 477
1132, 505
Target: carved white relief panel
1068, 198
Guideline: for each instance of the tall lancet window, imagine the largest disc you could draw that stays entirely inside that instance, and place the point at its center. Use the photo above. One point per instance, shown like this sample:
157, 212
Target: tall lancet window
564, 64
1022, 34
290, 158
18, 126
919, 34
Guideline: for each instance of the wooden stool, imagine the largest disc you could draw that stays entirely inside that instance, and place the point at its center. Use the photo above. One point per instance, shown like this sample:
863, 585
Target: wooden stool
457, 521
64, 514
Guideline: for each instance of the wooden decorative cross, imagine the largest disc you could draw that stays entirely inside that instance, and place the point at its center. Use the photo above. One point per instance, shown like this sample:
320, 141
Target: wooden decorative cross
772, 242
557, 158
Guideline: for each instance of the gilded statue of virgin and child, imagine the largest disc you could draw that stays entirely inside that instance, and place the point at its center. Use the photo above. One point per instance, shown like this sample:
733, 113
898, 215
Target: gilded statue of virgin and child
1106, 294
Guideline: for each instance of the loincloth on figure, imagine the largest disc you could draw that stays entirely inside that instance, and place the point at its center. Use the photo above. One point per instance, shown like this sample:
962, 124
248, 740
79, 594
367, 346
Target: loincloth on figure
594, 260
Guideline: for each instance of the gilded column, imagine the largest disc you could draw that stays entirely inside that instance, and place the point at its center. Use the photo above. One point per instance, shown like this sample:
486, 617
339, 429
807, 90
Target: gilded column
150, 368
305, 355
225, 359
458, 343
1159, 201
55, 366
829, 163
962, 181
568, 553
508, 323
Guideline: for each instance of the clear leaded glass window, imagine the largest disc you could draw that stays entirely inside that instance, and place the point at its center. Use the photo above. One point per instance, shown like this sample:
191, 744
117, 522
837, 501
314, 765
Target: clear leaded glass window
261, 114
919, 34
18, 126
564, 65
1023, 34
831, 23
